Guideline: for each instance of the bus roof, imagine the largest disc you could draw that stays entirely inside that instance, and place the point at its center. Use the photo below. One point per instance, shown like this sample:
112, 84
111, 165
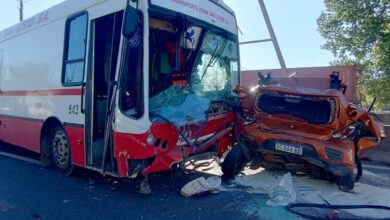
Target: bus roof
49, 15
61, 10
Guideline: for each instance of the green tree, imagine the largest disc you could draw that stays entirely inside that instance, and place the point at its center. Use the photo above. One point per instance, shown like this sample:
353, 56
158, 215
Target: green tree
358, 32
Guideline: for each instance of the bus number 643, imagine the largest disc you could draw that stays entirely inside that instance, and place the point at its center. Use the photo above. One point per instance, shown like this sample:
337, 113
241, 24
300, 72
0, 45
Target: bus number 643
73, 109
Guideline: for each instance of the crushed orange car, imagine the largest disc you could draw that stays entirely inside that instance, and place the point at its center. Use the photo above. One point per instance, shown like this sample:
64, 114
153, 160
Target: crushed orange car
304, 125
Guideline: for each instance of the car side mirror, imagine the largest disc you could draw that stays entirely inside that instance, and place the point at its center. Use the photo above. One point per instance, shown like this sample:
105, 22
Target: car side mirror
130, 22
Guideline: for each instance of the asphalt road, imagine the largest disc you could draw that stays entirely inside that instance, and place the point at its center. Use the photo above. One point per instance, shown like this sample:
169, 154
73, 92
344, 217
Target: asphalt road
28, 191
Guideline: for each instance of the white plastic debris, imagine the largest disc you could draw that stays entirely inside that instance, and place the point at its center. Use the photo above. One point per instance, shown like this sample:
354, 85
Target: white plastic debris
201, 185
282, 193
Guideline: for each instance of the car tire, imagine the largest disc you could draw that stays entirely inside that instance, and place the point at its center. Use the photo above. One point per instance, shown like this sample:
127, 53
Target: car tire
233, 162
346, 183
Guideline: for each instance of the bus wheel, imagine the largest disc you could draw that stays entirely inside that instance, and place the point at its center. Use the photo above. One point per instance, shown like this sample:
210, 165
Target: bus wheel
61, 150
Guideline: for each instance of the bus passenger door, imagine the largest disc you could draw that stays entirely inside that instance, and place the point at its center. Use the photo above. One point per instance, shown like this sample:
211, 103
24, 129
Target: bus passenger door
105, 37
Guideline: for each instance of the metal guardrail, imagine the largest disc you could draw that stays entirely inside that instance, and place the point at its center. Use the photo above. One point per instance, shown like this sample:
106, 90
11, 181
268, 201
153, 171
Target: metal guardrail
384, 116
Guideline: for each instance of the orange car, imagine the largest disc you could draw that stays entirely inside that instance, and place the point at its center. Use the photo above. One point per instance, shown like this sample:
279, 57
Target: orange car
304, 125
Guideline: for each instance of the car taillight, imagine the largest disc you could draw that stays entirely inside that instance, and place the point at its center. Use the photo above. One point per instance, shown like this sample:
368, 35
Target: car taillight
345, 133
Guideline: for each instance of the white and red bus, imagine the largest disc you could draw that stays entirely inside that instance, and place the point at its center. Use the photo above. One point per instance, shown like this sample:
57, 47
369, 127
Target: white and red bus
122, 87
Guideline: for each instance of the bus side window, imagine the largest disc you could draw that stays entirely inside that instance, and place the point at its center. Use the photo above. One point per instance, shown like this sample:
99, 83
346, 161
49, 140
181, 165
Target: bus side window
131, 82
74, 50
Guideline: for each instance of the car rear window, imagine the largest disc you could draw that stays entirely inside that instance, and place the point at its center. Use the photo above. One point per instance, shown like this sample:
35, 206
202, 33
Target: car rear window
315, 110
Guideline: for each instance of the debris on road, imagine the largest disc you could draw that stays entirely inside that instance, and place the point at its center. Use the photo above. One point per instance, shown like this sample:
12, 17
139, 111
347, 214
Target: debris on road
282, 192
144, 187
314, 191
201, 186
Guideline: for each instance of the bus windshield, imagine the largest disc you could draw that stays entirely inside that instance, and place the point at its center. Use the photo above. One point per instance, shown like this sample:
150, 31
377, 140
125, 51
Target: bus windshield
189, 66
216, 68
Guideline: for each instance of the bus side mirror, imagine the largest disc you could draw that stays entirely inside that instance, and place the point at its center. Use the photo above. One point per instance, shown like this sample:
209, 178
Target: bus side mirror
130, 22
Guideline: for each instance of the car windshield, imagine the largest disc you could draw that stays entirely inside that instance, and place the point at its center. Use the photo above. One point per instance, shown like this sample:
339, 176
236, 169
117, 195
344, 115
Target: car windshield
216, 68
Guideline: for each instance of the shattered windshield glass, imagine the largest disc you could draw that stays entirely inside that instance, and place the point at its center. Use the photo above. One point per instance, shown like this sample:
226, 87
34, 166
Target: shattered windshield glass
216, 68
187, 112
207, 72
176, 104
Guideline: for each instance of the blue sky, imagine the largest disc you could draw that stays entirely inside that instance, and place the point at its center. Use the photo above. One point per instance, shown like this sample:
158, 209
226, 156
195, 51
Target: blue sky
294, 24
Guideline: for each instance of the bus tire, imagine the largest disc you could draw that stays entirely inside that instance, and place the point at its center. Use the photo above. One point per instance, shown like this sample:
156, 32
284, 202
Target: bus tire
61, 150
46, 158
233, 162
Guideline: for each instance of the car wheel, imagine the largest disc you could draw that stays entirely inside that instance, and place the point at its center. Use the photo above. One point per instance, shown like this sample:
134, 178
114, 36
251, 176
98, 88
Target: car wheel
61, 150
347, 182
233, 162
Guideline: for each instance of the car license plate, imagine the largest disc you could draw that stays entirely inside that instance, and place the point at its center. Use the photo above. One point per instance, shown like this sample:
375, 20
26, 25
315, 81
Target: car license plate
289, 148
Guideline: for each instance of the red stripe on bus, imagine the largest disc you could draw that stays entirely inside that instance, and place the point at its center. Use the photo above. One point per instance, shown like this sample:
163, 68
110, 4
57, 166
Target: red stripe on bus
26, 133
21, 132
51, 92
